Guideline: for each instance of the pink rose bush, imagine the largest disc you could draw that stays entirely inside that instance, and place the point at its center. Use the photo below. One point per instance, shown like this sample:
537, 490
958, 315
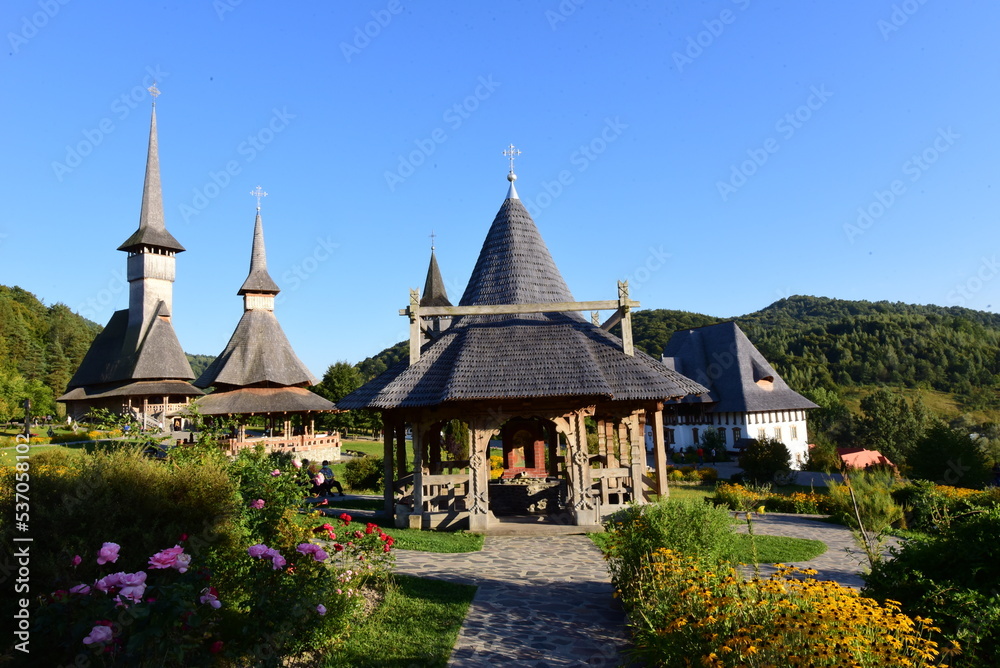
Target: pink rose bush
261, 551
172, 557
258, 504
99, 635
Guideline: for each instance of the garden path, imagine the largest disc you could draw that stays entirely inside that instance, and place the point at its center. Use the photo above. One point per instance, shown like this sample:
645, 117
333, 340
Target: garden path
542, 601
834, 564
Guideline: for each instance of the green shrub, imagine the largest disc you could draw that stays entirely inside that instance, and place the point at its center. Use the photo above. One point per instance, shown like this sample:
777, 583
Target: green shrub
873, 494
692, 527
765, 459
364, 473
949, 456
952, 578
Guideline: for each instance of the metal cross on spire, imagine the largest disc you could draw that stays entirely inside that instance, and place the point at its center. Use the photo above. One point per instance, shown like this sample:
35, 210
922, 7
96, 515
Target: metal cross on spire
258, 192
154, 92
433, 236
510, 152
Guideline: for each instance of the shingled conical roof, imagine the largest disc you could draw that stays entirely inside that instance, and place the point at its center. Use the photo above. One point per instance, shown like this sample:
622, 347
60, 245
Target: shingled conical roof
514, 265
527, 356
258, 280
152, 229
434, 293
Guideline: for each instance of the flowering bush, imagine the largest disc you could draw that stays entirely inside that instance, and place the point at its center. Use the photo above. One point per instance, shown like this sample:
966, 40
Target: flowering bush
165, 614
739, 497
686, 612
931, 507
496, 466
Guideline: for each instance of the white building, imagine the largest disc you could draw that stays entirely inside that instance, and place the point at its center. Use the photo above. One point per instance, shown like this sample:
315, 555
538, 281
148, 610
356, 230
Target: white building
750, 399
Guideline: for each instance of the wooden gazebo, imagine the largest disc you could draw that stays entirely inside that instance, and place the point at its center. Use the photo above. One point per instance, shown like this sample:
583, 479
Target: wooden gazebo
518, 359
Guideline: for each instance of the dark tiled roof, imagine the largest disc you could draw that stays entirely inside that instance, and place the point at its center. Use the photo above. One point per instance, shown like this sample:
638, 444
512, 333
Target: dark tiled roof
721, 358
152, 229
525, 356
120, 353
258, 352
258, 280
258, 400
434, 292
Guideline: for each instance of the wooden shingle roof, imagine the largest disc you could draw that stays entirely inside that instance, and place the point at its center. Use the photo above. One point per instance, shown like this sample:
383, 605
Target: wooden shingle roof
262, 400
722, 358
434, 293
258, 280
525, 356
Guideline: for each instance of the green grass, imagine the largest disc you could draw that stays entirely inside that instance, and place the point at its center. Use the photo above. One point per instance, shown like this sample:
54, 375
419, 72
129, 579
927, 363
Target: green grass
685, 492
776, 549
770, 549
416, 625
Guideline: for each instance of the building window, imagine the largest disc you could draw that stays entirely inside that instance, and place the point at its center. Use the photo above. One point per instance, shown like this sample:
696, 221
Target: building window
777, 433
694, 433
670, 436
722, 434
761, 434
794, 432
737, 435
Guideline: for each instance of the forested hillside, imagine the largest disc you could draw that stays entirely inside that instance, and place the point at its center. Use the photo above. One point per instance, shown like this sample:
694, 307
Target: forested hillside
40, 349
816, 342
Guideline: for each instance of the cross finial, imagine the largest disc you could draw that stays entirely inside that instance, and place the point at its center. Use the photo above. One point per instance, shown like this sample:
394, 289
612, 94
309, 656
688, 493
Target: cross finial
510, 152
258, 192
433, 236
154, 92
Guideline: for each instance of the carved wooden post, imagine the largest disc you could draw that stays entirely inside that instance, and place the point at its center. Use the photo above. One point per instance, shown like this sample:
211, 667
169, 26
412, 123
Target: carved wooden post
417, 517
580, 501
660, 450
638, 455
478, 501
416, 338
626, 311
400, 449
389, 494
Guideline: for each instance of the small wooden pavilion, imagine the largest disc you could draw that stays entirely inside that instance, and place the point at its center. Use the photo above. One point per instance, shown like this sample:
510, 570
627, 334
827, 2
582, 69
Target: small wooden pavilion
520, 361
258, 373
136, 365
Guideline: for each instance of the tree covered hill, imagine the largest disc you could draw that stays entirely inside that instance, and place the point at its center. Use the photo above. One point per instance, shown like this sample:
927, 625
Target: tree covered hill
40, 349
817, 342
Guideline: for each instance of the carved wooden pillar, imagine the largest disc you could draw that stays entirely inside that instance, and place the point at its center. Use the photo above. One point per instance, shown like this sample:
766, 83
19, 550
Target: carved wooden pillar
400, 449
478, 501
659, 452
581, 503
637, 447
417, 517
389, 494
624, 448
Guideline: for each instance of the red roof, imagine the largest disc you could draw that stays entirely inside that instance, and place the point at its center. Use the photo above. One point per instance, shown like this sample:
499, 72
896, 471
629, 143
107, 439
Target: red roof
859, 458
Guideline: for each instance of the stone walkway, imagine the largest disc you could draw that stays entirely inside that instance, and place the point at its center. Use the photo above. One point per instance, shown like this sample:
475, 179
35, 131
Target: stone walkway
547, 600
542, 601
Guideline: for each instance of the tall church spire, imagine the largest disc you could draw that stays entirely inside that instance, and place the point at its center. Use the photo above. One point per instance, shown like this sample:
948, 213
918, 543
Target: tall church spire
152, 228
434, 291
259, 289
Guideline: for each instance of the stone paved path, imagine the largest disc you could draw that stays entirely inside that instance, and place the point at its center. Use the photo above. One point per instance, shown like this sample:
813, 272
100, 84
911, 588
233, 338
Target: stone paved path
547, 600
542, 601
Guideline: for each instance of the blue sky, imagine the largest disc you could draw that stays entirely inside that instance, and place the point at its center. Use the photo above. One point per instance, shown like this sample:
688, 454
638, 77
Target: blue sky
720, 154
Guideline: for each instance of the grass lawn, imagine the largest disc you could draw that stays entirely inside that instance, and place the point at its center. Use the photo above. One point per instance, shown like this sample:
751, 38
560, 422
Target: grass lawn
770, 549
416, 625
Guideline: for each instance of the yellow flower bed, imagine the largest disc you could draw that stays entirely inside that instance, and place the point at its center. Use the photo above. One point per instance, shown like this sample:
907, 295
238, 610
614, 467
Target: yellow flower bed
685, 613
496, 466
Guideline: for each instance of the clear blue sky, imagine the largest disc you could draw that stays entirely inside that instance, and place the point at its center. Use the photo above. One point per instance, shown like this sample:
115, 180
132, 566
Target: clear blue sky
711, 151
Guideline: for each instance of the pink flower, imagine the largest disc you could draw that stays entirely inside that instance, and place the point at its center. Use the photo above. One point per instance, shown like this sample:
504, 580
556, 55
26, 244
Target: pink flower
133, 585
321, 609
307, 548
210, 597
167, 558
80, 589
277, 561
257, 551
109, 582
182, 563
345, 518
108, 553
216, 647
320, 555
100, 634
258, 504
296, 463
277, 472
77, 560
